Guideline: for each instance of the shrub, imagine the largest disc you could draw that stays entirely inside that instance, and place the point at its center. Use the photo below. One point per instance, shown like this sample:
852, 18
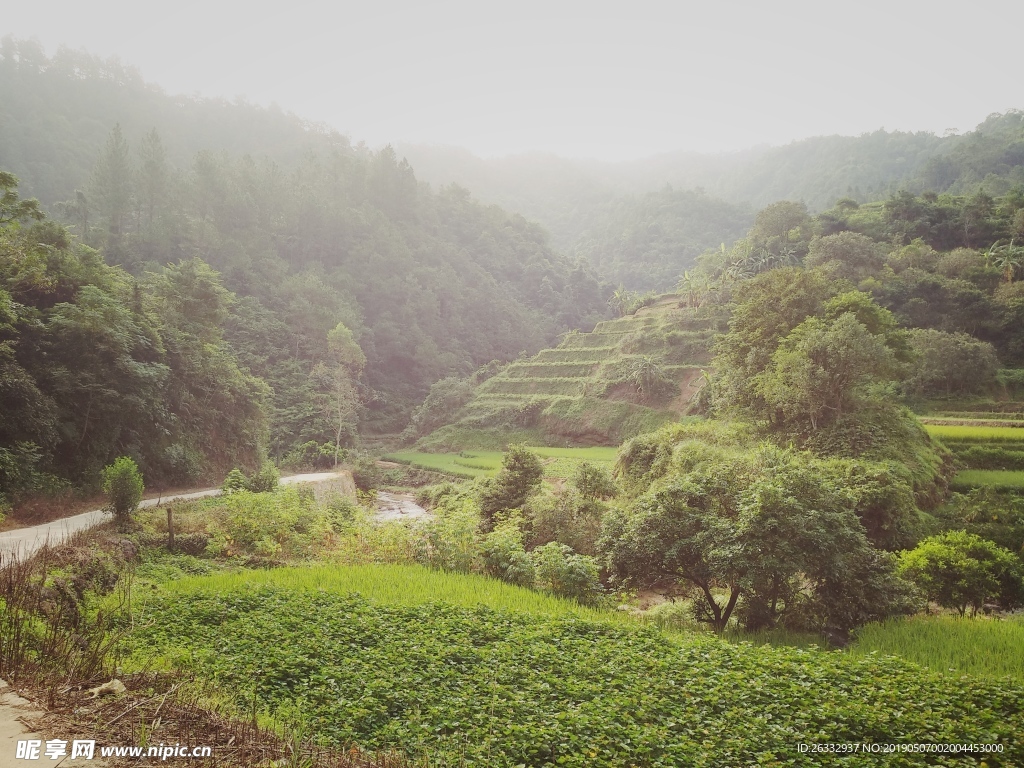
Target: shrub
504, 555
592, 481
521, 473
959, 570
311, 455
265, 479
569, 518
567, 574
123, 485
450, 541
268, 525
235, 481
366, 474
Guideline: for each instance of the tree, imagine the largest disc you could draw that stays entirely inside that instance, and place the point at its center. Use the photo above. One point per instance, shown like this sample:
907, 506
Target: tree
821, 370
951, 363
647, 377
113, 192
959, 570
767, 308
592, 481
12, 207
122, 482
563, 572
776, 223
337, 379
504, 555
767, 533
520, 475
846, 255
1006, 257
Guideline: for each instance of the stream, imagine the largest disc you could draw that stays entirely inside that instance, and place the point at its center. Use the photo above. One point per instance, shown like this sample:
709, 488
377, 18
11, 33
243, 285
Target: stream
398, 506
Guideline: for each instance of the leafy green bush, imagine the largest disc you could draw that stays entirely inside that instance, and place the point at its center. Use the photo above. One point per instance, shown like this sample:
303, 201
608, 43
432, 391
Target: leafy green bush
520, 475
122, 482
268, 525
592, 481
569, 518
960, 570
366, 474
234, 482
504, 555
264, 480
312, 455
450, 541
565, 573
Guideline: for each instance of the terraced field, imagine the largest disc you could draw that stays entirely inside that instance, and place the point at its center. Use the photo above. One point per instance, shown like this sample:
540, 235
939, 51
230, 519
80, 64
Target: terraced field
989, 451
581, 392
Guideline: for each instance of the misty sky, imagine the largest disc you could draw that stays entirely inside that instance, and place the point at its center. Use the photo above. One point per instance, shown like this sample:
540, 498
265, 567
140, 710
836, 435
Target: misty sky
581, 79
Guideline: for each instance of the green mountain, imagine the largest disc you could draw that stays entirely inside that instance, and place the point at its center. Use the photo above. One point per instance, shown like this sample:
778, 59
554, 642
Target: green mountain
302, 230
611, 213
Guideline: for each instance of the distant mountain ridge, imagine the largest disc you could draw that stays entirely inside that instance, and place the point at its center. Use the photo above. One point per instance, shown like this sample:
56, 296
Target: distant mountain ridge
818, 171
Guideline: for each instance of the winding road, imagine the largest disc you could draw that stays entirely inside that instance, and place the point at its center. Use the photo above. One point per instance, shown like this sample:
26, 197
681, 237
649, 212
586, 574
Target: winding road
23, 542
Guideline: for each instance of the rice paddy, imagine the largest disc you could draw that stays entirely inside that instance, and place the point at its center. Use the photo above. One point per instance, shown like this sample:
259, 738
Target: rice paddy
975, 433
558, 462
980, 647
993, 478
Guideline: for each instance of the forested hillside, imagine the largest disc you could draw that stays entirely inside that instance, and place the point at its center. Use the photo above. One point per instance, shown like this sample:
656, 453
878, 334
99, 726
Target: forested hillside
279, 250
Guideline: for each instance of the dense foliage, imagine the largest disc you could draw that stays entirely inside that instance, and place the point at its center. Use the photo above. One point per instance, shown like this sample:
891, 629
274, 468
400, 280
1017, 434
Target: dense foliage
778, 537
960, 570
96, 364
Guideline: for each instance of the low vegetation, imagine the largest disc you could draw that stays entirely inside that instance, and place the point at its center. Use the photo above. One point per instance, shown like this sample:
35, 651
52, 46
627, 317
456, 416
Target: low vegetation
481, 687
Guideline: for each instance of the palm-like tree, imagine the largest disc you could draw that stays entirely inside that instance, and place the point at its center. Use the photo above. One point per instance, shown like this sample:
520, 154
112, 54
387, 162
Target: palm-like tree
1008, 258
622, 300
645, 373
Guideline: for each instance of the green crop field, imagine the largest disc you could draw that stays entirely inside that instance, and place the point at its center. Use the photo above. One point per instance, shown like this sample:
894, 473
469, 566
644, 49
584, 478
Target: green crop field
465, 464
979, 647
558, 462
472, 686
993, 478
976, 434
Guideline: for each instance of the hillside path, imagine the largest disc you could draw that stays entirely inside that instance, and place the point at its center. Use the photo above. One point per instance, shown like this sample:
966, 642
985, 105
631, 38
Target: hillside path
22, 542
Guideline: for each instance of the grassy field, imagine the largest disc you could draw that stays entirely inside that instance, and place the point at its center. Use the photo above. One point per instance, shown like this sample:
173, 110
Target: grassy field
558, 462
980, 647
534, 684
